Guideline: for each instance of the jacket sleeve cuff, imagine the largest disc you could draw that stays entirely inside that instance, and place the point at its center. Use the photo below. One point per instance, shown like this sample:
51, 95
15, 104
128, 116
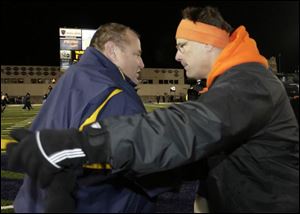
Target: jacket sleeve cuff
96, 144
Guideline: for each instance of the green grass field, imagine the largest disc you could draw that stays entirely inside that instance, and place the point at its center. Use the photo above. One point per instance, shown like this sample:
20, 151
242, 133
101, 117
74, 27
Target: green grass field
15, 117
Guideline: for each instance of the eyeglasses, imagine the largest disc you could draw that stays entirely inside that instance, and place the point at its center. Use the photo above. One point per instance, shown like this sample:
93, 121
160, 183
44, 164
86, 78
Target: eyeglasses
180, 47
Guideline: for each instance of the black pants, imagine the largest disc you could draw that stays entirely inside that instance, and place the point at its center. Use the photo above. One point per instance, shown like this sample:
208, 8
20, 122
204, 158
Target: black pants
27, 105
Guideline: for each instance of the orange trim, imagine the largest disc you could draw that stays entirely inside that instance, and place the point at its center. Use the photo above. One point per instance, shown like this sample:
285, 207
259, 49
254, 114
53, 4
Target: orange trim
241, 49
203, 33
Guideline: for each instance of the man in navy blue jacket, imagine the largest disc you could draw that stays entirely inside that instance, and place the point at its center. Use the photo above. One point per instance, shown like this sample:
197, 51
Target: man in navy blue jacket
100, 85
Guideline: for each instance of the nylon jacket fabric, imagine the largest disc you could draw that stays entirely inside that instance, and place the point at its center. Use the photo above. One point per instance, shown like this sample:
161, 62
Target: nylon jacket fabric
243, 127
78, 93
241, 135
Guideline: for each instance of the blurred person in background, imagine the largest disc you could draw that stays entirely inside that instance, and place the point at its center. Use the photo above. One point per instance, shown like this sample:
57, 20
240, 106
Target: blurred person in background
27, 102
4, 101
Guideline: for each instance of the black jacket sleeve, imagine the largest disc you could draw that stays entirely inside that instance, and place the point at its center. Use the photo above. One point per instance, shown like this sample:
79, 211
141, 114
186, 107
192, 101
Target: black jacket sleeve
229, 113
164, 139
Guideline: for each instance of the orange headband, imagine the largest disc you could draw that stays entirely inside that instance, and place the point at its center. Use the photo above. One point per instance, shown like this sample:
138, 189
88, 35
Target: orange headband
201, 32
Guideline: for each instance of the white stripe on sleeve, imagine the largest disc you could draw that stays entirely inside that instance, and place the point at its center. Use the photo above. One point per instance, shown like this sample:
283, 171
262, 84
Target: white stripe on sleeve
66, 154
38, 140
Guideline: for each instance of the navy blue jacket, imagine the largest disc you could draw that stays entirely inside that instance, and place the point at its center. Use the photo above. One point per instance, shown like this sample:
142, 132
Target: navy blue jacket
79, 92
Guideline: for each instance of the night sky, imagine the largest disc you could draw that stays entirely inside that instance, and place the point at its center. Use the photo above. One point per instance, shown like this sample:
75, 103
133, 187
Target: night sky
29, 30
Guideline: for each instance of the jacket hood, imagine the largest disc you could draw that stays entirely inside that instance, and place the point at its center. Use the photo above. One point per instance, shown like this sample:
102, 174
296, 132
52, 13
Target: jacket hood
241, 49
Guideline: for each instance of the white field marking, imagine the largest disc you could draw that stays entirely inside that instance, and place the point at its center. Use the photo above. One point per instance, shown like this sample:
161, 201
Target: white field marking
7, 207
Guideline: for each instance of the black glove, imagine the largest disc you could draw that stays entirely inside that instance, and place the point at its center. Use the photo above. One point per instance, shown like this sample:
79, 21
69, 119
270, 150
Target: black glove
60, 193
43, 154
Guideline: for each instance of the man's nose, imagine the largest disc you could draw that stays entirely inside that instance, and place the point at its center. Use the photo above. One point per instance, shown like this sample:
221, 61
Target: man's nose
141, 63
178, 56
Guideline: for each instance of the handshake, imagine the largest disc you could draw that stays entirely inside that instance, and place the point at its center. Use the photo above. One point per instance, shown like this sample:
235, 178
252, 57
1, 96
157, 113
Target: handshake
44, 154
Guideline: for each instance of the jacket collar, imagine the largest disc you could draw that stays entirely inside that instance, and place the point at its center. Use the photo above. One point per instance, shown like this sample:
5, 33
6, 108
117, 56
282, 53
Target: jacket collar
94, 57
241, 49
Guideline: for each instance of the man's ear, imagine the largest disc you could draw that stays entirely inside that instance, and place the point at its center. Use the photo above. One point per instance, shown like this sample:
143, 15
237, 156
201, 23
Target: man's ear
110, 50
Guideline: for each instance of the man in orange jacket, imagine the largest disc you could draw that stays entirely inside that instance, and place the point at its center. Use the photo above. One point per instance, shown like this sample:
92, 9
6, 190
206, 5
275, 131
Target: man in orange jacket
241, 135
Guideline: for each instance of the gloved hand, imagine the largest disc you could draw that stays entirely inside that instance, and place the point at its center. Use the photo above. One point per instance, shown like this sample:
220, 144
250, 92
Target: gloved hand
60, 196
43, 154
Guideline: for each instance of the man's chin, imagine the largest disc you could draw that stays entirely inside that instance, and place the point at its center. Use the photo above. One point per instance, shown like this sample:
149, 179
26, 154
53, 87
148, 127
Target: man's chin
188, 74
136, 81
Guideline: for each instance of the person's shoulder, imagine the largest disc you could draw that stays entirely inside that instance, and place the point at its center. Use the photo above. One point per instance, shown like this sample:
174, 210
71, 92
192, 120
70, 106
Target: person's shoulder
121, 98
246, 72
121, 104
125, 100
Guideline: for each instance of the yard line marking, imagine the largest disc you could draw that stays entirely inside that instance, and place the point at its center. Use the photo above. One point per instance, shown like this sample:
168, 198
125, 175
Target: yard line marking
7, 207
